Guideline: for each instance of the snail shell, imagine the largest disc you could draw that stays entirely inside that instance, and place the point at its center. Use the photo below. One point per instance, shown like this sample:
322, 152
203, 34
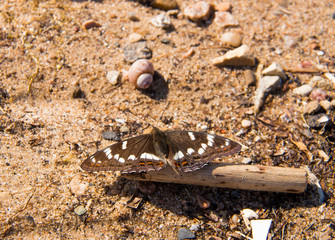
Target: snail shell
141, 73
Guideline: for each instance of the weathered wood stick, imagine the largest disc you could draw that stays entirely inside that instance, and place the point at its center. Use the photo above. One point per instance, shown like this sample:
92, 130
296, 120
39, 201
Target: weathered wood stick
248, 177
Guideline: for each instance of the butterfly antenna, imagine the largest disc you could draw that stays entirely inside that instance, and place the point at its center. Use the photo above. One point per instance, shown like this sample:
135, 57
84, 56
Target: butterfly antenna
125, 111
162, 114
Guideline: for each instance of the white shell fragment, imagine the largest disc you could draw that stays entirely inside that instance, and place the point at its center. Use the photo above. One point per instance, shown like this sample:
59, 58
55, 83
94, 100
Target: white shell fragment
141, 73
274, 70
248, 214
260, 229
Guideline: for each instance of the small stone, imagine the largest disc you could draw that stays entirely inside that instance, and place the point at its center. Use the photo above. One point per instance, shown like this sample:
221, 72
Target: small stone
78, 187
222, 7
202, 202
199, 11
332, 104
303, 90
91, 24
231, 39
318, 94
312, 108
137, 50
78, 93
110, 135
234, 221
246, 160
225, 19
237, 57
165, 41
135, 37
124, 129
274, 70
307, 133
113, 77
80, 210
162, 21
250, 78
316, 80
195, 227
185, 233
318, 121
165, 4
246, 123
326, 105
132, 17
331, 77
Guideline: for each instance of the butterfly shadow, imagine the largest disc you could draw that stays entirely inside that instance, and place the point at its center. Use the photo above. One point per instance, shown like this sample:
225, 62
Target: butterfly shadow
159, 88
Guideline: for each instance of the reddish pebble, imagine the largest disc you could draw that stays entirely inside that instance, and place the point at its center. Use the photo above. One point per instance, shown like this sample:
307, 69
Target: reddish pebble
199, 11
318, 94
225, 19
91, 24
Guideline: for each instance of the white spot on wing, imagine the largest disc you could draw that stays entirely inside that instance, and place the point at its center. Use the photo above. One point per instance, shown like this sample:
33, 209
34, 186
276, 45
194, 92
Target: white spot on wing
93, 159
201, 151
210, 139
149, 156
178, 155
121, 160
227, 142
190, 151
191, 135
132, 157
204, 146
116, 156
124, 145
109, 156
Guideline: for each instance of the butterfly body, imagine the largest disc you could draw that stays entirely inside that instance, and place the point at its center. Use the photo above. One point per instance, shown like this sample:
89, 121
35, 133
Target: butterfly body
184, 151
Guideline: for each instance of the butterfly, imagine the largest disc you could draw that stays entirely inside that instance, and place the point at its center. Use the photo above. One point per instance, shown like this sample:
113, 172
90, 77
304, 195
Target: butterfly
185, 151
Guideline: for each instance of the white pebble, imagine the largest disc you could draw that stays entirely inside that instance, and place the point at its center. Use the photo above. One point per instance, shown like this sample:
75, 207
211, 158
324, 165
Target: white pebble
303, 90
246, 123
113, 77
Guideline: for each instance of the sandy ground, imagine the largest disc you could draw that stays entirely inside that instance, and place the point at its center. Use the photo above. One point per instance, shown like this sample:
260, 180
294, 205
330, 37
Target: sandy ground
47, 131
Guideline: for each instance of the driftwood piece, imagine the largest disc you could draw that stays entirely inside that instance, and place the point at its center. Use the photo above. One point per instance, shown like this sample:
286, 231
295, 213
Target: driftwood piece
248, 177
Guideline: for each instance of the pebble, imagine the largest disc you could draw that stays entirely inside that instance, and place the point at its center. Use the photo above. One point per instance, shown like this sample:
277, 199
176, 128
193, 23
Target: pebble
274, 70
185, 233
137, 50
165, 4
113, 77
250, 78
326, 105
77, 186
135, 37
303, 90
318, 81
80, 210
318, 94
195, 227
312, 108
91, 24
124, 129
246, 123
225, 19
78, 93
233, 39
237, 57
202, 202
330, 77
222, 7
110, 135
332, 104
318, 120
266, 85
307, 133
162, 21
199, 11
246, 160
132, 17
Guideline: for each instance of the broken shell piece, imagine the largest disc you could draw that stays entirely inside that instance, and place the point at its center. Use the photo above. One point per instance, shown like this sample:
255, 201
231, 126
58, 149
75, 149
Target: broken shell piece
248, 214
141, 73
260, 228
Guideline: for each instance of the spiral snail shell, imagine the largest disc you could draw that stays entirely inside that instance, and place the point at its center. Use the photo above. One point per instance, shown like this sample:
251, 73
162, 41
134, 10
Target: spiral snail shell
141, 73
